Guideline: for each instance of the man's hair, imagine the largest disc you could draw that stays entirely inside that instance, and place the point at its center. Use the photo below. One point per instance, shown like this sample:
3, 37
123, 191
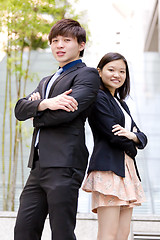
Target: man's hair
68, 28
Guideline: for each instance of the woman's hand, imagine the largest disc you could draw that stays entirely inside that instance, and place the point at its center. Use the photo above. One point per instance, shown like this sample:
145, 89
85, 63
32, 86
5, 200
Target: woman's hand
120, 131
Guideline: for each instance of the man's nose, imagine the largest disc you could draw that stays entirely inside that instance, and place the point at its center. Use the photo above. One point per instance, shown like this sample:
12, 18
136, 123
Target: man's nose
60, 44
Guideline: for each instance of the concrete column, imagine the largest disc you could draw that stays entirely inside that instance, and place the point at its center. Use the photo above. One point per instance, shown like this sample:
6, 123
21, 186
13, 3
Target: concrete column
158, 25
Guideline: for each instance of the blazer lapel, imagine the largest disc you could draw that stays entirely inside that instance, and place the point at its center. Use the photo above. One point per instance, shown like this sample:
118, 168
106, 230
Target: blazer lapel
126, 108
118, 110
56, 81
44, 85
114, 102
63, 74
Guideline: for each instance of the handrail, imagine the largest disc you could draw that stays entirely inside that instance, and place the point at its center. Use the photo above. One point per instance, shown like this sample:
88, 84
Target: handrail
146, 236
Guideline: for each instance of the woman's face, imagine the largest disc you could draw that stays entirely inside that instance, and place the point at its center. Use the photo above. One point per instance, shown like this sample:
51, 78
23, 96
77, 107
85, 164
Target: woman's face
113, 75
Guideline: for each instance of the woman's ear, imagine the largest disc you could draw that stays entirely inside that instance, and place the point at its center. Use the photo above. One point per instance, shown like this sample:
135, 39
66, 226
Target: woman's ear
99, 71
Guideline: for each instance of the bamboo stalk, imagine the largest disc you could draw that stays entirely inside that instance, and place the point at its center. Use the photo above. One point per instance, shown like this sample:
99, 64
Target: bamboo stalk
17, 137
10, 145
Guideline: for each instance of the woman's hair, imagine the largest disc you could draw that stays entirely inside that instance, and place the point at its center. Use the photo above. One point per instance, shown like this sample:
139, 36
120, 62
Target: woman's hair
68, 28
124, 90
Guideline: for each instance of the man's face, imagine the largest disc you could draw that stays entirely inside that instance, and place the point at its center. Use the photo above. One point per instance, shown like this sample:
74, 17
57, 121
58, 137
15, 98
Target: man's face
66, 49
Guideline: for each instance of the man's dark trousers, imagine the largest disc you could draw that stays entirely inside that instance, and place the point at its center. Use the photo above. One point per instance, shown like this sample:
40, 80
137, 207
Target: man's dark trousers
52, 191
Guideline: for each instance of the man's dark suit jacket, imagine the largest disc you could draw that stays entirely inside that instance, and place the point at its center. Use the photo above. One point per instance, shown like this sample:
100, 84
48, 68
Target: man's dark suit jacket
109, 149
62, 137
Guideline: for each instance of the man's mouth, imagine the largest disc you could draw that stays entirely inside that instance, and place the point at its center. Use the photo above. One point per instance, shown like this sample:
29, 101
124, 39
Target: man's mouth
60, 53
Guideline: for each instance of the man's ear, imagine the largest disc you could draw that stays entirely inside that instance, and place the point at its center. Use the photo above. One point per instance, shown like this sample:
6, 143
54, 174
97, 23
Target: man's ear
82, 46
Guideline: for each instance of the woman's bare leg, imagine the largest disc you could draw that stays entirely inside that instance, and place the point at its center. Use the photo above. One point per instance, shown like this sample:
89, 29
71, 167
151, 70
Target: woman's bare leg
108, 222
124, 223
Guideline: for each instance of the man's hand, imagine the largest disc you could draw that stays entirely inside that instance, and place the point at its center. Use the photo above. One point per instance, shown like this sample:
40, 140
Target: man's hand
35, 96
62, 101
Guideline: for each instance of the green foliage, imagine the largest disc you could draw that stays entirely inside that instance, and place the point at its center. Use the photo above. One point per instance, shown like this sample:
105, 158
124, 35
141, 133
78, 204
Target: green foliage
29, 21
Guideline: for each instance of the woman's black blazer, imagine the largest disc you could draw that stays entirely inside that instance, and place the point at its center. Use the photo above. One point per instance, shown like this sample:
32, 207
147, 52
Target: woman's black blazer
109, 149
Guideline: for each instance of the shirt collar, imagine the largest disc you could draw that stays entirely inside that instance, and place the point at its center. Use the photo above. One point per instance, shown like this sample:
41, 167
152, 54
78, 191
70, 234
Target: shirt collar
71, 64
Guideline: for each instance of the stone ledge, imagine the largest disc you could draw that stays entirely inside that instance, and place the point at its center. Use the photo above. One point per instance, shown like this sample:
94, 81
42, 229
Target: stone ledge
86, 227
91, 216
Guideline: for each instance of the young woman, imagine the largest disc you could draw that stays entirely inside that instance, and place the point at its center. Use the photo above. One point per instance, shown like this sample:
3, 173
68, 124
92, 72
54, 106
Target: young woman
113, 176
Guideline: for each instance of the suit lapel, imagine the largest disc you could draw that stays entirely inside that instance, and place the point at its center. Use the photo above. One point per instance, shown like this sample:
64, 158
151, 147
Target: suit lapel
57, 80
44, 85
63, 74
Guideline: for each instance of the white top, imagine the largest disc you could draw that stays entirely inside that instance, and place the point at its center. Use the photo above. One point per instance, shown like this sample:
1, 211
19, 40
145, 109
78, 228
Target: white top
128, 120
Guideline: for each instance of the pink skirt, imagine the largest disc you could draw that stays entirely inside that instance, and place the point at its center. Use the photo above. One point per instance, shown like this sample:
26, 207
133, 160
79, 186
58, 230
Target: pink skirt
109, 189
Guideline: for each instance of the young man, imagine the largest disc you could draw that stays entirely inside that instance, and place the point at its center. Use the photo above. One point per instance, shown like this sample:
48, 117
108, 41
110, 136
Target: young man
58, 157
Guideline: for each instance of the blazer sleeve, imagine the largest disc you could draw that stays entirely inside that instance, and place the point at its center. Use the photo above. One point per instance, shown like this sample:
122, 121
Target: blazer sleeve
140, 135
84, 90
102, 118
25, 108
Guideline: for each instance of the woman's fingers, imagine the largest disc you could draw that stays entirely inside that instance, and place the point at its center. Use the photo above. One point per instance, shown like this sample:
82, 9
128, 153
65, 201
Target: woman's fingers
119, 130
116, 127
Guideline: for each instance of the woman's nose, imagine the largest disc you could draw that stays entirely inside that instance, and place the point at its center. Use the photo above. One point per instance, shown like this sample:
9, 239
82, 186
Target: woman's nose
116, 74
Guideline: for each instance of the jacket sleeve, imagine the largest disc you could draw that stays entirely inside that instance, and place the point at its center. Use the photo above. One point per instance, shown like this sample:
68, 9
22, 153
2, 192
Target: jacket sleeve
102, 119
84, 90
140, 135
25, 108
